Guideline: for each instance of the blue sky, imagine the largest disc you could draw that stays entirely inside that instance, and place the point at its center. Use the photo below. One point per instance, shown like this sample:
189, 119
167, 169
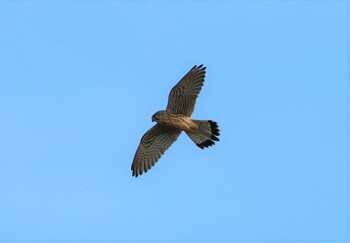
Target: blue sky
81, 80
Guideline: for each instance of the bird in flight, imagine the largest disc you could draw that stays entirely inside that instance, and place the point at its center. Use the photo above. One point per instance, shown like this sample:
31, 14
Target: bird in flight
173, 120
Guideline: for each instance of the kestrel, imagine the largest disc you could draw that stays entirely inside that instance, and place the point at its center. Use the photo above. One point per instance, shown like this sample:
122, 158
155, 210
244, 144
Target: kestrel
175, 119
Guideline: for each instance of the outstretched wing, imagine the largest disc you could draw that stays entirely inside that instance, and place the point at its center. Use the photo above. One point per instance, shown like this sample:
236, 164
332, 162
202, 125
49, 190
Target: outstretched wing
152, 146
183, 95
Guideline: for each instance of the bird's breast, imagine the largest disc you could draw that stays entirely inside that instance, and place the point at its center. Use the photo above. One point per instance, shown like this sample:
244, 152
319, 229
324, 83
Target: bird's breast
179, 121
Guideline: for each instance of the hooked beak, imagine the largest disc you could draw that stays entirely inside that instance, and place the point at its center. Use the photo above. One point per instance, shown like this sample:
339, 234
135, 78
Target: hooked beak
153, 119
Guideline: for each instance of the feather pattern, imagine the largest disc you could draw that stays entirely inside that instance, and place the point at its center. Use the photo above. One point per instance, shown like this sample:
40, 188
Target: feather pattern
183, 96
152, 146
206, 135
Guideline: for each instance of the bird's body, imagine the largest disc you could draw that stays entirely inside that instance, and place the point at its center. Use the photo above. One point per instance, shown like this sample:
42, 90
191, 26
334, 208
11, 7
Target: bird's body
175, 119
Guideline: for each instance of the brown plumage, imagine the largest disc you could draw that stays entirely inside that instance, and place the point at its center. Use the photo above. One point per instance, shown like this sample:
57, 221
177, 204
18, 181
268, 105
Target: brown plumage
175, 119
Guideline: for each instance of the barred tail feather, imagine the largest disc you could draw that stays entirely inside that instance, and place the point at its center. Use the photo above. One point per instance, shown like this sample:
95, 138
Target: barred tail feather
206, 134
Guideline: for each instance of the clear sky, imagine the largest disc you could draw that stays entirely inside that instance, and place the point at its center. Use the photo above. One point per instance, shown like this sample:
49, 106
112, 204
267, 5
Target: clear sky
79, 82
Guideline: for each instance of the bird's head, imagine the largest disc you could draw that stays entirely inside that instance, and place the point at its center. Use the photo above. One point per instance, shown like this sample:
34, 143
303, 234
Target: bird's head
157, 116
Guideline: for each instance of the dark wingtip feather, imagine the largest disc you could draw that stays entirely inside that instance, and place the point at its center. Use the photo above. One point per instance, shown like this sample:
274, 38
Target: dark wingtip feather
206, 144
136, 172
213, 137
214, 128
200, 67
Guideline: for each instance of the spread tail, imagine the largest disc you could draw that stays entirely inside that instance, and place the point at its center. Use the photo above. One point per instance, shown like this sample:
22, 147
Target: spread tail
206, 134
